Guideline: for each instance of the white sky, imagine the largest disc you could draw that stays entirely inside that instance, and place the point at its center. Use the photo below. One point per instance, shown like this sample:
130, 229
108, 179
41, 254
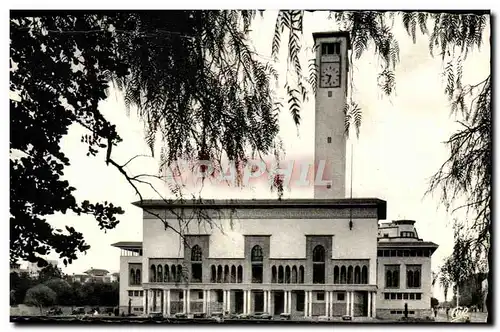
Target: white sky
399, 148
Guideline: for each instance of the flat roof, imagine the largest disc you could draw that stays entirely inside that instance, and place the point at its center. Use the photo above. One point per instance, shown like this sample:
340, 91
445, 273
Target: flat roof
129, 245
300, 203
326, 34
406, 244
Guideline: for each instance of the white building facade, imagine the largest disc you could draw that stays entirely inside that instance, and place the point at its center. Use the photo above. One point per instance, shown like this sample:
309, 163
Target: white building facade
303, 257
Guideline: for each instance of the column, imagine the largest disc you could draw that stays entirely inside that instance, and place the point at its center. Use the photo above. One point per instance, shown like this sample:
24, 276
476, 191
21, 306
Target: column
224, 301
289, 302
249, 301
374, 304
331, 304
228, 297
348, 304
151, 300
310, 303
164, 300
285, 307
269, 294
168, 302
188, 301
327, 304
369, 309
352, 304
245, 299
204, 302
145, 302
265, 301
184, 297
208, 302
306, 303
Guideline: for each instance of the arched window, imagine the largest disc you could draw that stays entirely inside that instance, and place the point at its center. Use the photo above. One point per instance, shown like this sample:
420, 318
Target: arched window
138, 277
281, 274
174, 273
409, 279
180, 273
319, 254
196, 254
388, 278
152, 277
294, 274
287, 274
301, 274
166, 274
233, 274
395, 278
349, 275
240, 274
257, 266
196, 265
319, 265
336, 275
413, 276
257, 254
416, 278
159, 274
226, 273
364, 275
343, 275
219, 273
132, 277
213, 276
273, 274
357, 275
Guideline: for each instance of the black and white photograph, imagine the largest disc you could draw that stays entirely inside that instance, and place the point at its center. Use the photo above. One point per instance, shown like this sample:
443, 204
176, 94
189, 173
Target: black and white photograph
277, 167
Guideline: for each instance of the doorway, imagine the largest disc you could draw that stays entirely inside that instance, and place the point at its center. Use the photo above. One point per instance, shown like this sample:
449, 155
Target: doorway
238, 301
258, 301
279, 302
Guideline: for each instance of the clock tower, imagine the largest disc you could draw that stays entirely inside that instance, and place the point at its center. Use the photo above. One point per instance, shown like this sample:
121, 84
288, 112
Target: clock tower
331, 96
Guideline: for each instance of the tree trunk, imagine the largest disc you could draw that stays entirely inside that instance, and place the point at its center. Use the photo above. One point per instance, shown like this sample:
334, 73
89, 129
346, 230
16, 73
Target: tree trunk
489, 286
41, 310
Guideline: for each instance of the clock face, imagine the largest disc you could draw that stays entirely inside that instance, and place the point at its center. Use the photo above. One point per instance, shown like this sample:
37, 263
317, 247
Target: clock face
330, 75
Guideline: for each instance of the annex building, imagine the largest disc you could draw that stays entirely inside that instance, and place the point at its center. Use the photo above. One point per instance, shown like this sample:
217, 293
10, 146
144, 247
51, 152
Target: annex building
329, 256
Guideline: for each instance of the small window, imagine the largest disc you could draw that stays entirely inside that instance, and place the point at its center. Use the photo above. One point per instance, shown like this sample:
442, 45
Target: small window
329, 93
386, 235
329, 139
411, 312
393, 312
200, 295
412, 296
405, 296
340, 296
181, 295
330, 48
418, 296
400, 296
328, 186
136, 293
393, 296
320, 296
130, 293
386, 296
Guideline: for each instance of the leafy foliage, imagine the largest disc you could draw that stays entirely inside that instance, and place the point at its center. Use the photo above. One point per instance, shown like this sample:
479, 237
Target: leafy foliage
58, 79
49, 272
63, 290
40, 296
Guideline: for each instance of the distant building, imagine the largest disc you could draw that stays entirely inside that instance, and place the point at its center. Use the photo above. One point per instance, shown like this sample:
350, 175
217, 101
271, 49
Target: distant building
16, 268
94, 275
34, 270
